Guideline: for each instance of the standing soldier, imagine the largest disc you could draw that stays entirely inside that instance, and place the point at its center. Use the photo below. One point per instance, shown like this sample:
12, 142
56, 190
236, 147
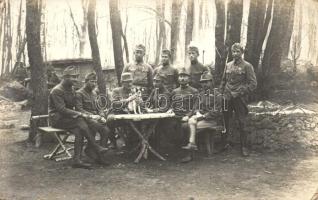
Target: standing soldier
142, 72
86, 102
63, 115
167, 73
196, 68
238, 80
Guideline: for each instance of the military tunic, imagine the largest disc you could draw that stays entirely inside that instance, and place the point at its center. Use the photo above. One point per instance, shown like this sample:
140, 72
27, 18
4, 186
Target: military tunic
62, 108
183, 101
142, 74
169, 76
159, 99
196, 69
118, 97
210, 106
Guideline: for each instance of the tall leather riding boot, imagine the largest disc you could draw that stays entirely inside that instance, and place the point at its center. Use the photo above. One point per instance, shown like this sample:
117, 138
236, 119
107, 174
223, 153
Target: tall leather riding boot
91, 139
243, 140
78, 145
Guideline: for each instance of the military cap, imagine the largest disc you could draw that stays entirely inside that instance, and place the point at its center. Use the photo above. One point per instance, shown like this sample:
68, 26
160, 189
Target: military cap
193, 48
90, 76
237, 46
140, 47
184, 72
206, 77
126, 76
70, 71
166, 51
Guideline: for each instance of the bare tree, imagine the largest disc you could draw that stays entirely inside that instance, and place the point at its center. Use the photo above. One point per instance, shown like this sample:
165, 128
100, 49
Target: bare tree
274, 47
94, 46
117, 31
161, 28
38, 82
189, 24
234, 23
220, 48
288, 12
81, 31
258, 22
175, 27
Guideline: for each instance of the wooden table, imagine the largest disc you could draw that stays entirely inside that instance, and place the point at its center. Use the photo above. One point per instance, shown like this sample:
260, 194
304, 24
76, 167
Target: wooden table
152, 119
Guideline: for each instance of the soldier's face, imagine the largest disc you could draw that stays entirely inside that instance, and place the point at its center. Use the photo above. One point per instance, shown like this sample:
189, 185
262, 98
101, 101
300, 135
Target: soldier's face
91, 84
157, 83
127, 84
193, 55
139, 55
71, 79
183, 79
164, 59
206, 84
236, 53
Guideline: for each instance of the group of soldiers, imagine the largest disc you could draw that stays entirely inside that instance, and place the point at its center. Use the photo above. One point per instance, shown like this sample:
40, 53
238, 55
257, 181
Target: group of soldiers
188, 92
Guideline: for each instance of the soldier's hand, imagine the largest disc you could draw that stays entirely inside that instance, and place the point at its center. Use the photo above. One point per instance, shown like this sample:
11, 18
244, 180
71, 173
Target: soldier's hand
170, 111
95, 117
185, 119
110, 117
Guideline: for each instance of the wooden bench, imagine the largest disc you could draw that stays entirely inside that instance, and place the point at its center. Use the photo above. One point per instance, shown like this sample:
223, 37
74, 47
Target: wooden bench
62, 149
209, 137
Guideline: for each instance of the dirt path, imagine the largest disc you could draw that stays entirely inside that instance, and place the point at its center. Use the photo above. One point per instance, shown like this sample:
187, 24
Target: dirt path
280, 175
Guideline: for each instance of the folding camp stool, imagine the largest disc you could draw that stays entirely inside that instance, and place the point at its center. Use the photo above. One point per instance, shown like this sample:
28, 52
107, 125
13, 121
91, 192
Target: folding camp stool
61, 135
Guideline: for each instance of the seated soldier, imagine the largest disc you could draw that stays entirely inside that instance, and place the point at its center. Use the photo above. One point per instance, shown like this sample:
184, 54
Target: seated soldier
159, 98
183, 100
63, 115
86, 102
121, 97
208, 111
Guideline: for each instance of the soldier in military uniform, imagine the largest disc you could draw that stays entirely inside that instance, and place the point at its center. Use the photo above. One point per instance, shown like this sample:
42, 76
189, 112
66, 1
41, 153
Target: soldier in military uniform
63, 115
159, 98
86, 102
123, 95
208, 110
182, 102
196, 68
142, 72
168, 74
238, 81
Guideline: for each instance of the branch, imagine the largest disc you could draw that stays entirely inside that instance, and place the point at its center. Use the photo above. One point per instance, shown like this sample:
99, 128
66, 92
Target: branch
72, 17
156, 12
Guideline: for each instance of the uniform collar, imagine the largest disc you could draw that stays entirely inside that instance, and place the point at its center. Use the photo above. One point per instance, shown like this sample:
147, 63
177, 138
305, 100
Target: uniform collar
139, 63
239, 61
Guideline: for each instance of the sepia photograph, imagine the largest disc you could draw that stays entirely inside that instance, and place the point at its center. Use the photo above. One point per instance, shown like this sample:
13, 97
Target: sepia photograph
159, 99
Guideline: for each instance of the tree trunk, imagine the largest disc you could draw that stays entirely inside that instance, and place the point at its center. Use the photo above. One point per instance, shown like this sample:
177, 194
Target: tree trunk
175, 27
274, 48
9, 40
288, 11
38, 82
4, 28
256, 29
94, 46
234, 23
161, 39
189, 24
220, 48
116, 26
